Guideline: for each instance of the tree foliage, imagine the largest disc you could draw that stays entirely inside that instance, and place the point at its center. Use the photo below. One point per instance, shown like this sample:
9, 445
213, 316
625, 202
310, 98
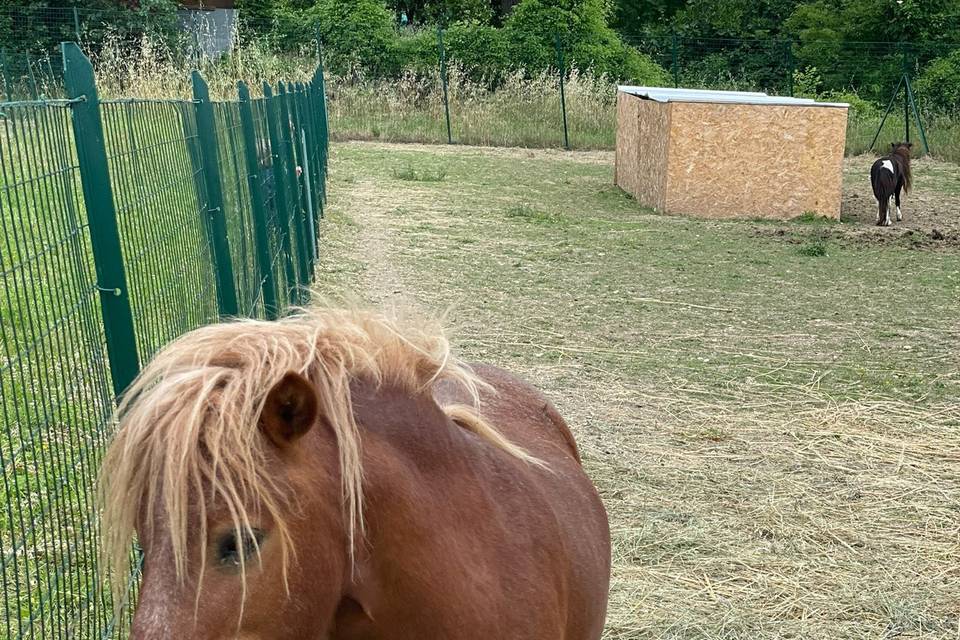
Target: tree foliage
858, 47
421, 12
356, 33
38, 26
854, 46
581, 27
939, 84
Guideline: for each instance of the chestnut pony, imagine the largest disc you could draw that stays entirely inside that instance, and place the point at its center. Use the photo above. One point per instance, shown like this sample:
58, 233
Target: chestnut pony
331, 476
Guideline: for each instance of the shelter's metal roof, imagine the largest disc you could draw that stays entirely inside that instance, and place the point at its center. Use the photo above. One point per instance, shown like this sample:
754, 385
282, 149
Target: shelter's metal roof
660, 94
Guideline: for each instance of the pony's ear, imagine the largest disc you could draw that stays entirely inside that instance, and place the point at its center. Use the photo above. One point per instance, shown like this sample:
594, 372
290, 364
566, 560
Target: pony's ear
290, 411
893, 145
909, 145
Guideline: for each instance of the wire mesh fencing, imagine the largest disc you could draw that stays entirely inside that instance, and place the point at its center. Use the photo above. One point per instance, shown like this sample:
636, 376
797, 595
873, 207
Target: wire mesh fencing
125, 223
568, 105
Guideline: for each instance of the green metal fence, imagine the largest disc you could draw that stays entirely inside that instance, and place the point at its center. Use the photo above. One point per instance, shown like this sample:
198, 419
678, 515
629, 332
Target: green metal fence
123, 224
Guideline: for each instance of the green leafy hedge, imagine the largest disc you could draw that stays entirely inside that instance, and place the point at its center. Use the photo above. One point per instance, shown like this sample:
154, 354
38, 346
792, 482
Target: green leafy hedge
364, 35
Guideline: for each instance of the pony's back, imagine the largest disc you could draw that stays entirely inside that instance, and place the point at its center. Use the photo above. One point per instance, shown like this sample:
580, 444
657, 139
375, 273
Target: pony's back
883, 178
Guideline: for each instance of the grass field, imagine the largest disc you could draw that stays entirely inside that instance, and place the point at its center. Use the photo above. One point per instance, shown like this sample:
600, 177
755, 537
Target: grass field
768, 409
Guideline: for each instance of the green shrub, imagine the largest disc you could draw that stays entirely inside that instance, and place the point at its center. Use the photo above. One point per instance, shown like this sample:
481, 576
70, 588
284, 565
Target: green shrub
807, 83
27, 25
355, 33
939, 84
445, 11
481, 50
590, 43
858, 106
417, 50
478, 50
813, 249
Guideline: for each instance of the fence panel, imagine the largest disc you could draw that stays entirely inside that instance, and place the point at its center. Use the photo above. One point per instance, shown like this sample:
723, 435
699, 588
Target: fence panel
291, 186
105, 206
55, 384
237, 209
274, 201
161, 217
251, 144
279, 158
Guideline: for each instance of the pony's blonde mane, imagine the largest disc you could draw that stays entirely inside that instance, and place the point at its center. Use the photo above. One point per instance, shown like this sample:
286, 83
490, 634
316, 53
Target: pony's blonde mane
187, 428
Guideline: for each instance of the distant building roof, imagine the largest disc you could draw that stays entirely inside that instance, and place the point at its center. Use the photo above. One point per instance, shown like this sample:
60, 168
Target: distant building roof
659, 94
207, 4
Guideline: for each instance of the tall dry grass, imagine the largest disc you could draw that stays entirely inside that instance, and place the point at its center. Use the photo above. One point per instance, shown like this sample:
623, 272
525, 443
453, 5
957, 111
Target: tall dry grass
149, 69
524, 110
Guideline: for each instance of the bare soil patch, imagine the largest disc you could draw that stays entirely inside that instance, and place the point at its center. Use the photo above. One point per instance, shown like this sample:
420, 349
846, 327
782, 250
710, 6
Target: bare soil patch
931, 211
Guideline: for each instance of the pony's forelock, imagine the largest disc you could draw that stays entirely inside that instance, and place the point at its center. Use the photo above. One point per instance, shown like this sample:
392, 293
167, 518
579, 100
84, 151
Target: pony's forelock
187, 428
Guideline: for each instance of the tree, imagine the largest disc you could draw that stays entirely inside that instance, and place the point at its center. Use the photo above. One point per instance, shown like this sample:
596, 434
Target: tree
256, 16
734, 18
33, 26
444, 12
589, 42
938, 87
356, 33
633, 18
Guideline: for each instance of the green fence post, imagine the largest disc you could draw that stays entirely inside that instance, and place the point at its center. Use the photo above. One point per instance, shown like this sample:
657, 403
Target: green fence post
280, 195
562, 70
302, 179
217, 227
315, 147
296, 208
319, 93
916, 114
675, 58
305, 142
102, 218
76, 23
443, 82
886, 113
324, 129
906, 94
261, 237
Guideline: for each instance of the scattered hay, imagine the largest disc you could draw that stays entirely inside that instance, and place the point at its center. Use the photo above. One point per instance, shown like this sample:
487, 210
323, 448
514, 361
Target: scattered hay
748, 496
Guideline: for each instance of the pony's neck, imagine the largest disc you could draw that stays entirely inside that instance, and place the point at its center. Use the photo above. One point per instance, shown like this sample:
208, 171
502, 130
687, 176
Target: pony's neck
410, 423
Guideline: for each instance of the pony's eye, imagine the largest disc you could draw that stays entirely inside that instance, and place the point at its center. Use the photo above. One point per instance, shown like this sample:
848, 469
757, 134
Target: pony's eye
230, 548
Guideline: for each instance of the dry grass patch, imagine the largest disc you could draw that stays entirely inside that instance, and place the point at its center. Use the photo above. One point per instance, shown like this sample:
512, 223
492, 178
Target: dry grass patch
776, 436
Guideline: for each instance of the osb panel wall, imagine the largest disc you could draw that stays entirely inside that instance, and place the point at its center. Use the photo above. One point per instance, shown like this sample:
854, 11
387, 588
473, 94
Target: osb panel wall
767, 161
641, 158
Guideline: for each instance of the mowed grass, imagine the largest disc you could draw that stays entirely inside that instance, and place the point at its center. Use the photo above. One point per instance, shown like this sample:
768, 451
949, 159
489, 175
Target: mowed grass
769, 410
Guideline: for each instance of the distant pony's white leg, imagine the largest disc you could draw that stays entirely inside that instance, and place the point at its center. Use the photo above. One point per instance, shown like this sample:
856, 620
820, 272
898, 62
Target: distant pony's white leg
883, 219
899, 215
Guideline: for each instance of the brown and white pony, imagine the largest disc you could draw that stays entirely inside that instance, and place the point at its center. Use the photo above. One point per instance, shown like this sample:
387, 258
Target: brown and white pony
888, 176
329, 476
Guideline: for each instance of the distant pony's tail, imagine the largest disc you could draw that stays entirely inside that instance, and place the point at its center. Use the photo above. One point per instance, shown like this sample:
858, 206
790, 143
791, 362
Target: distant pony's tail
907, 175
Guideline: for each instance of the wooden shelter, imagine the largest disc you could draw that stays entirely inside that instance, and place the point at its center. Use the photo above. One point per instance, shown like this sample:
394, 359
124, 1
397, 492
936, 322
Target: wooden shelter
730, 154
